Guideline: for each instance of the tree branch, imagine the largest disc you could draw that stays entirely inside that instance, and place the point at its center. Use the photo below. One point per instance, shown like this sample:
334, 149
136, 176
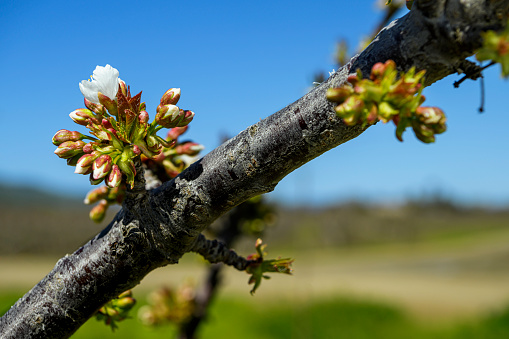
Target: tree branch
156, 228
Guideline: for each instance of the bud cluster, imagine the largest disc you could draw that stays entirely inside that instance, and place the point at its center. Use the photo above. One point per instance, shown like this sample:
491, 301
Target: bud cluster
116, 309
171, 160
104, 196
496, 48
166, 305
175, 157
387, 96
119, 124
258, 265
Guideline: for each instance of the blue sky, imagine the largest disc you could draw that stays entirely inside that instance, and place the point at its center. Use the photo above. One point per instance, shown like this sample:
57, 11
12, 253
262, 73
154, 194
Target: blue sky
236, 62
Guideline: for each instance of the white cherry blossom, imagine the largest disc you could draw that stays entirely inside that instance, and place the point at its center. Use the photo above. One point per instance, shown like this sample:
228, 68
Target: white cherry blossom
104, 80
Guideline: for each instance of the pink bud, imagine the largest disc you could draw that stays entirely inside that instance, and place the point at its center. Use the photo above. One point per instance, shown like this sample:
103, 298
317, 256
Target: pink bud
102, 166
89, 147
189, 148
96, 195
353, 79
123, 87
114, 132
96, 108
143, 117
168, 116
171, 96
81, 116
98, 212
114, 178
377, 70
64, 135
69, 149
106, 124
84, 164
175, 132
110, 105
187, 118
136, 150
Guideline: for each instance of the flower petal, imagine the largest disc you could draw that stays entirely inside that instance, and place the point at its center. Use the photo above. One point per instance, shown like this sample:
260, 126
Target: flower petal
105, 80
89, 91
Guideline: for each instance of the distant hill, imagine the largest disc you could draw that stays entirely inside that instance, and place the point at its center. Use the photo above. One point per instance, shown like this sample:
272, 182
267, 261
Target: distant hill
25, 195
35, 221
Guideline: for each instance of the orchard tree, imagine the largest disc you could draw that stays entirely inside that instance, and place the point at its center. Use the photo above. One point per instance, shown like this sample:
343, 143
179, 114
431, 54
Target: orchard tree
156, 226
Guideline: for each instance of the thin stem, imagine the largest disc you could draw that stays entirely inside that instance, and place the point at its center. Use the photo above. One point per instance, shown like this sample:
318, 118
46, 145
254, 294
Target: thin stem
473, 76
215, 251
481, 109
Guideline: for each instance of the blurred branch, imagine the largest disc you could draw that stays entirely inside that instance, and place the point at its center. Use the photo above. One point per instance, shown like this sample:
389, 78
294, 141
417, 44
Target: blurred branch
229, 230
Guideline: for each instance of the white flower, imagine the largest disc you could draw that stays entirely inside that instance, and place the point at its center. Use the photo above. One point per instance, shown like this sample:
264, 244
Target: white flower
104, 80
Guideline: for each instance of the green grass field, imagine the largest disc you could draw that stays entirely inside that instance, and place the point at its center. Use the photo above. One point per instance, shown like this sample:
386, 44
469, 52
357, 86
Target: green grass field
337, 317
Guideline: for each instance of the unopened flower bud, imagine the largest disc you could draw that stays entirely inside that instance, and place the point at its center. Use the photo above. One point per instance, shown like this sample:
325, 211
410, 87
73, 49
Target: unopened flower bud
110, 104
168, 116
430, 115
377, 70
84, 164
81, 116
69, 149
170, 97
125, 302
188, 117
189, 148
64, 135
123, 87
339, 94
175, 132
114, 178
97, 108
96, 195
136, 150
126, 293
112, 131
353, 79
143, 117
106, 124
90, 147
98, 212
102, 166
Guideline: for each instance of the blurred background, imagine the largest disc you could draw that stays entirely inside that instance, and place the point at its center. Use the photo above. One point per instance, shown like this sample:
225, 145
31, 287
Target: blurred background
406, 239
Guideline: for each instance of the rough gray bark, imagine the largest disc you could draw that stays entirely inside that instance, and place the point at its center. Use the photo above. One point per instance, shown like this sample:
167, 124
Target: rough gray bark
157, 227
